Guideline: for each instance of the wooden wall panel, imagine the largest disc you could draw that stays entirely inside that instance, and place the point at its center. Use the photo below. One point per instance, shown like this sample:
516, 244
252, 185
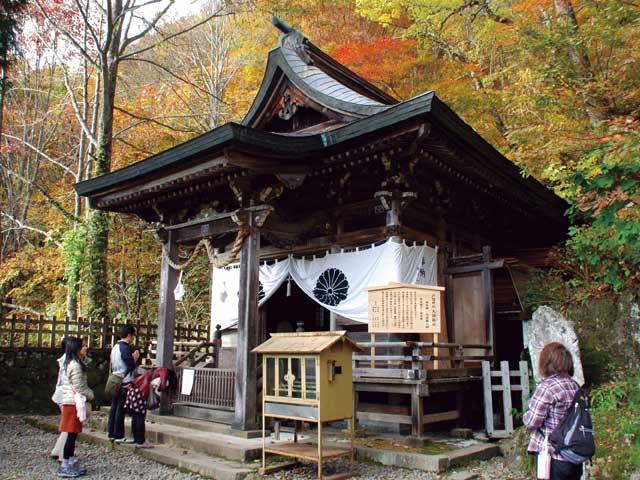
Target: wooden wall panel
469, 322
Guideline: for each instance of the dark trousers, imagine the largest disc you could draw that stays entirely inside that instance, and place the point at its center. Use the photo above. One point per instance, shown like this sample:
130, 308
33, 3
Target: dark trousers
69, 446
565, 470
116, 414
137, 426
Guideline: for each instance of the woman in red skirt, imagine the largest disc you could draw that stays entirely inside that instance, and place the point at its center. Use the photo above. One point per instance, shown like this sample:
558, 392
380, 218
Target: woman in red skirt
75, 381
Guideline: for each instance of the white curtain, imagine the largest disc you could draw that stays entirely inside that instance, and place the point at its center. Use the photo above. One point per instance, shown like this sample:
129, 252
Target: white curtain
225, 294
337, 281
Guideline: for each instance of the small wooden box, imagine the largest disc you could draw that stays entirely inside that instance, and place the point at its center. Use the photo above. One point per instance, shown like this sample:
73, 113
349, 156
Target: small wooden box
405, 308
307, 376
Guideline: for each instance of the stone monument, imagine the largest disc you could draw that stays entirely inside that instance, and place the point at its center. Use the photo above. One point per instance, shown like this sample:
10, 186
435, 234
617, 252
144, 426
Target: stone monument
548, 326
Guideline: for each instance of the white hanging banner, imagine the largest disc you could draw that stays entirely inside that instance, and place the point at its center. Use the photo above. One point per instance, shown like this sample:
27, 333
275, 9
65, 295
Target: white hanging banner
338, 281
225, 289
428, 270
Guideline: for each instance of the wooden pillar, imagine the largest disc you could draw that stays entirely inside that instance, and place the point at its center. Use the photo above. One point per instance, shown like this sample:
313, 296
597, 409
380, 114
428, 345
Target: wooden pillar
489, 306
167, 312
246, 375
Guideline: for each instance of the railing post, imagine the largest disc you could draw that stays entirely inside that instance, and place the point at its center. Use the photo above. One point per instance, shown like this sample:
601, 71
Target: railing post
91, 336
506, 396
52, 339
12, 330
40, 328
459, 356
27, 320
217, 345
416, 364
66, 326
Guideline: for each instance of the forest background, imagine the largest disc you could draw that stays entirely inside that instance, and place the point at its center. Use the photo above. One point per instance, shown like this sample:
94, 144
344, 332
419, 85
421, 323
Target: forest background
89, 86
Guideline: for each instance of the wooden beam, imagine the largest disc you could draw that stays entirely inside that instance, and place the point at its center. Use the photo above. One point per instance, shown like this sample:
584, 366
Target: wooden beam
476, 267
258, 163
200, 170
167, 312
193, 233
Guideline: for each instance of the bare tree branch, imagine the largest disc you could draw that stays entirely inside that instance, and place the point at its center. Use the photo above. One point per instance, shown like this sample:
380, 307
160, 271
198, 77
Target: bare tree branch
20, 307
150, 120
150, 25
173, 35
41, 153
66, 34
55, 203
177, 77
23, 226
85, 20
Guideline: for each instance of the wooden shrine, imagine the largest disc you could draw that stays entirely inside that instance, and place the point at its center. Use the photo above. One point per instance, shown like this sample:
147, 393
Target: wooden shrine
307, 377
324, 160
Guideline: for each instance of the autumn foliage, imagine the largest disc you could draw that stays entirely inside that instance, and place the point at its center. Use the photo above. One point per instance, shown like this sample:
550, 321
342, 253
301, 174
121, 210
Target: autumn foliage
553, 84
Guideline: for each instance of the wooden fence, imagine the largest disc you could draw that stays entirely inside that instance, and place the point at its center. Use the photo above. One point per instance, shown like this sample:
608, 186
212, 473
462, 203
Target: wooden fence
39, 332
212, 388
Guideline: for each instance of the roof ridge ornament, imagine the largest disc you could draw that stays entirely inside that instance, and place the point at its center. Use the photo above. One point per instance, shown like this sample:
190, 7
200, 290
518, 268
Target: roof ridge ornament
293, 40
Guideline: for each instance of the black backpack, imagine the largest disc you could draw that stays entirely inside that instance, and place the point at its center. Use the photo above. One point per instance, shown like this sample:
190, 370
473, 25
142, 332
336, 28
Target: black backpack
573, 437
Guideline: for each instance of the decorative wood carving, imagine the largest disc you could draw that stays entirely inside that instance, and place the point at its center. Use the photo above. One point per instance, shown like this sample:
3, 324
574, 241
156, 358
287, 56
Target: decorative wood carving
289, 106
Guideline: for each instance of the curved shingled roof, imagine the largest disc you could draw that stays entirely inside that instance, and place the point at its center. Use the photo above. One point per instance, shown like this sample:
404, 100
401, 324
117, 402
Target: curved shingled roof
319, 77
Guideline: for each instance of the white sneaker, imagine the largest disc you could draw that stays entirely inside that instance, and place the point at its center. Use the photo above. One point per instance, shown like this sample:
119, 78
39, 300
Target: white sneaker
124, 440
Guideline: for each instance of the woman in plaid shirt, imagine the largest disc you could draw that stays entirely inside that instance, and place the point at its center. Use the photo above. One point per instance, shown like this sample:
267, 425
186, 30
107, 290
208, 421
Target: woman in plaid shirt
549, 404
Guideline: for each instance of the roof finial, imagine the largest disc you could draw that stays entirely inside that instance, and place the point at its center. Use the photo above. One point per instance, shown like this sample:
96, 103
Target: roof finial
283, 27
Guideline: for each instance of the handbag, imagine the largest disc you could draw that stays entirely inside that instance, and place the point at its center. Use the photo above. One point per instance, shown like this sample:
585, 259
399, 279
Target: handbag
112, 386
543, 471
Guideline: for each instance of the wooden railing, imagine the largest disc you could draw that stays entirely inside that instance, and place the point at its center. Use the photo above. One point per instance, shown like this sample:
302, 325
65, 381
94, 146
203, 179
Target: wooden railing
212, 388
204, 352
409, 364
40, 332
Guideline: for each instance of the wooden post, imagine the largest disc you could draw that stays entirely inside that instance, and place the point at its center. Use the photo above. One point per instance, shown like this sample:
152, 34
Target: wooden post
246, 374
12, 330
27, 321
506, 396
40, 328
53, 332
488, 400
417, 413
489, 306
167, 313
524, 384
373, 350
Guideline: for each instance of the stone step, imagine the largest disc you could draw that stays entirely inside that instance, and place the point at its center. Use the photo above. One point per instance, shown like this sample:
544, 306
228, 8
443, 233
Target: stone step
208, 439
211, 443
194, 461
192, 423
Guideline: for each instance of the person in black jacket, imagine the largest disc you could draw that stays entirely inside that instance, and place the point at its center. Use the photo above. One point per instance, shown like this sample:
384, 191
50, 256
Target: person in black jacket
123, 364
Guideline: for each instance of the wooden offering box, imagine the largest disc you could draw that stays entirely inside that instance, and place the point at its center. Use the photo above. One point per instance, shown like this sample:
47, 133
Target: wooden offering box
307, 377
405, 308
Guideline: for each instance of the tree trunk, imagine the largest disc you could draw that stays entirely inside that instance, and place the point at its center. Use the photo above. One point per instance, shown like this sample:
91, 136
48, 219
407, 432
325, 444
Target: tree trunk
579, 58
98, 223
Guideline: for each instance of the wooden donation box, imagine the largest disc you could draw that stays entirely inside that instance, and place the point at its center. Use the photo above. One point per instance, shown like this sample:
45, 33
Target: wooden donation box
405, 308
307, 377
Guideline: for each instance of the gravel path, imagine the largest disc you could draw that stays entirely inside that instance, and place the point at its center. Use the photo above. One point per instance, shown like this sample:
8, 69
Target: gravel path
493, 469
24, 454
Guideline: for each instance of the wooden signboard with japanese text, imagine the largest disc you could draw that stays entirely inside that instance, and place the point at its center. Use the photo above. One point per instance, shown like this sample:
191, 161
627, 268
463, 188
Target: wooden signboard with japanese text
405, 308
